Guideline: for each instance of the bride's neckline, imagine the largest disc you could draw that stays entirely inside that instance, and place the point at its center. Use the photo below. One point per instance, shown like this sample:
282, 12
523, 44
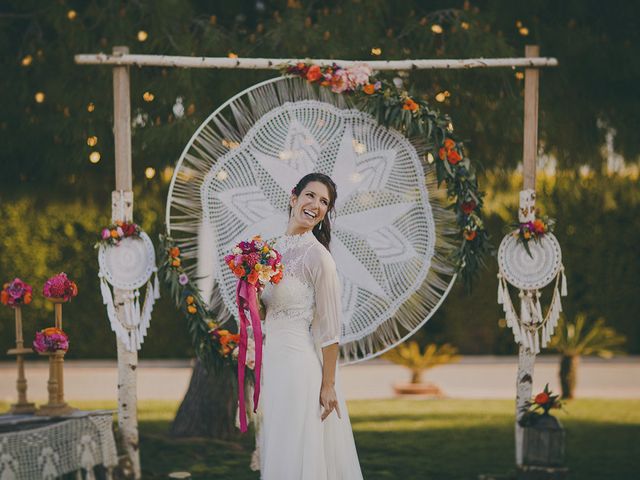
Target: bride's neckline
294, 239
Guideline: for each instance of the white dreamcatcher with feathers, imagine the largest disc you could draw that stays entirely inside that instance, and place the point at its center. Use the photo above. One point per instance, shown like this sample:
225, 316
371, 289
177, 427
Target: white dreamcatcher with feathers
530, 270
392, 237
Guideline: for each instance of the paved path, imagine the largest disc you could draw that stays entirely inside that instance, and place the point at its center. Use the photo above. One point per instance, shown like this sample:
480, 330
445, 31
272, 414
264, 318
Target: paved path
472, 377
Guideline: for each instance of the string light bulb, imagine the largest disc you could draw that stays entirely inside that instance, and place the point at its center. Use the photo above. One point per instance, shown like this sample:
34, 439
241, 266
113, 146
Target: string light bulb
232, 55
376, 51
464, 25
148, 96
39, 96
149, 172
524, 31
520, 75
26, 61
441, 97
91, 107
92, 141
435, 28
142, 36
94, 157
72, 14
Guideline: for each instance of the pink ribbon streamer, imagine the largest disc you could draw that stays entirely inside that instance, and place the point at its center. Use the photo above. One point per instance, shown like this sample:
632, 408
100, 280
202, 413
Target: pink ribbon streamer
247, 299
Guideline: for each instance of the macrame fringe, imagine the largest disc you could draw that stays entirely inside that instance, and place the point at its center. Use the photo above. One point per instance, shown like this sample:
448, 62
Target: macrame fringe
531, 329
136, 319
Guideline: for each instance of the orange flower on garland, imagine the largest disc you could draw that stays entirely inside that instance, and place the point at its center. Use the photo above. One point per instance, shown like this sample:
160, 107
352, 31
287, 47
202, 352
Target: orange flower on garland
410, 105
470, 234
314, 74
449, 152
369, 89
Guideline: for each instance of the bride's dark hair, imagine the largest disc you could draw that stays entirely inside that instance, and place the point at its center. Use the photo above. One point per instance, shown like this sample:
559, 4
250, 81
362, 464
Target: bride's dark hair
322, 234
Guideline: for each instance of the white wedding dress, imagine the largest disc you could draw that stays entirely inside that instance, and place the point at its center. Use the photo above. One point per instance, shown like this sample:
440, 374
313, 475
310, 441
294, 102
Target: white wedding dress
303, 315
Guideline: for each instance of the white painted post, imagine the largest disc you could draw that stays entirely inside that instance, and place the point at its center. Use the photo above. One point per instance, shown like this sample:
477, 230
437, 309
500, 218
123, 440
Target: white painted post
122, 209
526, 358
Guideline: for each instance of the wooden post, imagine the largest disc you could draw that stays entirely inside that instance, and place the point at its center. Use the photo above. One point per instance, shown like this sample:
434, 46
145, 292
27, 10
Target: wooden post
122, 209
23, 406
526, 358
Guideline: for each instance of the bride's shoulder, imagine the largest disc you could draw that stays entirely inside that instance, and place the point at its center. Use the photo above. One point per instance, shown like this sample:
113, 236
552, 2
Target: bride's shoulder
320, 256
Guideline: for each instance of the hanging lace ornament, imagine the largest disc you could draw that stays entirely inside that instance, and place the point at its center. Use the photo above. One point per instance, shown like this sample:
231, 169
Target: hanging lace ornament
530, 273
392, 235
128, 266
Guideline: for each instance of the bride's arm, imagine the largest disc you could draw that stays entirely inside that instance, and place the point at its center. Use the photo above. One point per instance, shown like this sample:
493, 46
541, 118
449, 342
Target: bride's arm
326, 322
328, 397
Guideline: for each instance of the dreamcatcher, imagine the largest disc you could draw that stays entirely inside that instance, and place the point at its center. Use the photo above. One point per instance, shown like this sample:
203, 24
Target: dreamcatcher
530, 271
127, 267
391, 238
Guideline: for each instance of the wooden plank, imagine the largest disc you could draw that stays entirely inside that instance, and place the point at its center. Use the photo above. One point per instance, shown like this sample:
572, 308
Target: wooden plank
122, 209
526, 358
530, 140
123, 59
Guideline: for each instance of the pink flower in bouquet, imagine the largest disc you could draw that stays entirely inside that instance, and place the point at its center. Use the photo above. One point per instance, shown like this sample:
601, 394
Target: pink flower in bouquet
59, 286
16, 293
253, 258
106, 234
50, 340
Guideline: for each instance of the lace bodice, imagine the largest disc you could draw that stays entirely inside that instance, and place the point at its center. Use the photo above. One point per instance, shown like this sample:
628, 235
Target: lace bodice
308, 296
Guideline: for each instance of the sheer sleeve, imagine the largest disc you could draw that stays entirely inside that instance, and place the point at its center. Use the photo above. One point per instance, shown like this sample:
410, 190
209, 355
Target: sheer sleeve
321, 269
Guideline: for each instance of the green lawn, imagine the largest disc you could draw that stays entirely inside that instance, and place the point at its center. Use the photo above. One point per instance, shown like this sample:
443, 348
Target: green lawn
412, 439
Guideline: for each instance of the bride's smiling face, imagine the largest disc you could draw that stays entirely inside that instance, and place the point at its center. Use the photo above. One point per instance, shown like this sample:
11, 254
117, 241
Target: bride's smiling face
309, 208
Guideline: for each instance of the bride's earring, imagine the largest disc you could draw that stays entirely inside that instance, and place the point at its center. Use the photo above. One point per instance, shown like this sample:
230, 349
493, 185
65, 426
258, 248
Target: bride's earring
320, 225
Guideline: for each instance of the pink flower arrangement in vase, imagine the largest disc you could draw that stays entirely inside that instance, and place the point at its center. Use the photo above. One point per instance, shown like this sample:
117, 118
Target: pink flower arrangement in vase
16, 293
51, 339
59, 287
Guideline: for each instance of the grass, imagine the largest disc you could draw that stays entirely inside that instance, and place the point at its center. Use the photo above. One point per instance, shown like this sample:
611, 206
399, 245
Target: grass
412, 439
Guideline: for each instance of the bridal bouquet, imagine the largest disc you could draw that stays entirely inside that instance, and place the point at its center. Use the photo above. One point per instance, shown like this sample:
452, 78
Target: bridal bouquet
255, 264
255, 261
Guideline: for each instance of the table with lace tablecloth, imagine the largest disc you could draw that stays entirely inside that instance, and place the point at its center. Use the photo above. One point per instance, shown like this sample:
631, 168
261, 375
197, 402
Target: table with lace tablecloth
34, 447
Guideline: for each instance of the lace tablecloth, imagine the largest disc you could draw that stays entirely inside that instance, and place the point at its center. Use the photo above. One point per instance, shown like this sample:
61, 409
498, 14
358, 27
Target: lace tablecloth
45, 448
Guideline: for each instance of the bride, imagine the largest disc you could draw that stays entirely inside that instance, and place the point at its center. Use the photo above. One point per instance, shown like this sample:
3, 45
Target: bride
305, 432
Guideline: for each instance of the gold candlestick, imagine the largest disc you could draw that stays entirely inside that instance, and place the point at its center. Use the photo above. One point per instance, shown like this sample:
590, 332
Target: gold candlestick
23, 406
56, 405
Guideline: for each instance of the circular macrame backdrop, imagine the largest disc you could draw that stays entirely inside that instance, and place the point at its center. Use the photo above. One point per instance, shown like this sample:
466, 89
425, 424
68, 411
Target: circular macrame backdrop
391, 236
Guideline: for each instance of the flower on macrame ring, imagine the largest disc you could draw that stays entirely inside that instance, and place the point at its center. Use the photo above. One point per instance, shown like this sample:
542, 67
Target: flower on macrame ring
183, 279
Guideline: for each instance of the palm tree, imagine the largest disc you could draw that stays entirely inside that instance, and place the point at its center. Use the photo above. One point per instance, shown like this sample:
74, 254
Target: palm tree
575, 339
410, 355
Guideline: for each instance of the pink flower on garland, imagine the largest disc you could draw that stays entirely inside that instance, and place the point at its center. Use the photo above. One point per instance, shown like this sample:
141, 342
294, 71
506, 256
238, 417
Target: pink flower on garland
59, 286
358, 75
340, 81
